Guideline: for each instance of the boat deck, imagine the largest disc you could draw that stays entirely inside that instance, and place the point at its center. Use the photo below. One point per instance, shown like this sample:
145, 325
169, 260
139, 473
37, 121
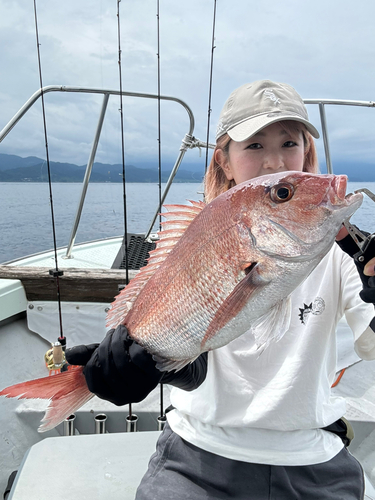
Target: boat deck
117, 465
84, 322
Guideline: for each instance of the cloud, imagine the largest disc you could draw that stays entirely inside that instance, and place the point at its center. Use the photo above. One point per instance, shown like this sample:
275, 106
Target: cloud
324, 49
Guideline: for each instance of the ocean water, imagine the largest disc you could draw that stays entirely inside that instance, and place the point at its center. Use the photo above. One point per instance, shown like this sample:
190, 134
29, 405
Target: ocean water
25, 213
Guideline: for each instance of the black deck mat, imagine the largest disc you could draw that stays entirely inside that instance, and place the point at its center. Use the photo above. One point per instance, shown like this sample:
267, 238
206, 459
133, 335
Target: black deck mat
138, 253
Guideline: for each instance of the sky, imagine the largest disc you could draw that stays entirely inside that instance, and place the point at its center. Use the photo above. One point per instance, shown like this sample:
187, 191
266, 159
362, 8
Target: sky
325, 49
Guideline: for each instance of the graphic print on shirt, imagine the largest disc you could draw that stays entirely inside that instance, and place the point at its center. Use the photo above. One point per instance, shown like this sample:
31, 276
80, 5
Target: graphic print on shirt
317, 307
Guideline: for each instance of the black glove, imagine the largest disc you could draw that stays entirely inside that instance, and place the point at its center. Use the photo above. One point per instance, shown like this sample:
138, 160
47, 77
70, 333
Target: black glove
349, 246
117, 369
121, 371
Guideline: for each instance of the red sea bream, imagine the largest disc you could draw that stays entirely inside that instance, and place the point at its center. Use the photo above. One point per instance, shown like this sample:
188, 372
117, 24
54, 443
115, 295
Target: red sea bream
218, 270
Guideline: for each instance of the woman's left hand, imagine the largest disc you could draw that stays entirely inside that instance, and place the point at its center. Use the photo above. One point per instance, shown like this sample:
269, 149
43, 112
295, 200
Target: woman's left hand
342, 233
366, 269
369, 269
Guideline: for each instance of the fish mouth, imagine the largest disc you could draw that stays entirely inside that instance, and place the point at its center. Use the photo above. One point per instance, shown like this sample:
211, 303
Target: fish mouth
339, 185
338, 197
337, 193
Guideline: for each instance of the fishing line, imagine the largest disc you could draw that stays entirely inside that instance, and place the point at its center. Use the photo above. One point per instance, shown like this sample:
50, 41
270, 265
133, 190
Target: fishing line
53, 272
213, 47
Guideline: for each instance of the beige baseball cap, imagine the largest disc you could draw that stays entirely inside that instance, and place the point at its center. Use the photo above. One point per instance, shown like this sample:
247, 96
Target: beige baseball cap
256, 105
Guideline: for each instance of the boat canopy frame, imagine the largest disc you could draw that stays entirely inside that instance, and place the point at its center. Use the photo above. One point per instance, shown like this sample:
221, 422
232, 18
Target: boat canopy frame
188, 142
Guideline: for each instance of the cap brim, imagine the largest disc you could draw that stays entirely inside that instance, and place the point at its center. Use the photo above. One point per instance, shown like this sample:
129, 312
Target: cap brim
252, 126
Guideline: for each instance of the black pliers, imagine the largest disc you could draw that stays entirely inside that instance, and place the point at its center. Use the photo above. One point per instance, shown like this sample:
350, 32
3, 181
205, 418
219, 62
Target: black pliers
361, 239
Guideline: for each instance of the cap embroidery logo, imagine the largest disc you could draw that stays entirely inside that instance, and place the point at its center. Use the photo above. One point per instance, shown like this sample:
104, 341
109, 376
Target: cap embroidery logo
269, 94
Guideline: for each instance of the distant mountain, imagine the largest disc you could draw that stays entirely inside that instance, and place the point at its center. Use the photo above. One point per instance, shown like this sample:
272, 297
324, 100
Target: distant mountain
14, 168
32, 169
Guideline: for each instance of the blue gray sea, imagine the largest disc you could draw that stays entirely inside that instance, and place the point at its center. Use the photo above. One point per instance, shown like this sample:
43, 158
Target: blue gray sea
25, 212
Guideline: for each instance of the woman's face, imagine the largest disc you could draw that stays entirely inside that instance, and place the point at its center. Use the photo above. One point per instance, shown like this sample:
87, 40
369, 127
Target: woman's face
269, 151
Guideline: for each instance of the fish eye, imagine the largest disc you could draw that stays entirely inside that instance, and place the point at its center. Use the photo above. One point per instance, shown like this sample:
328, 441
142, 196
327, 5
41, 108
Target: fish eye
281, 192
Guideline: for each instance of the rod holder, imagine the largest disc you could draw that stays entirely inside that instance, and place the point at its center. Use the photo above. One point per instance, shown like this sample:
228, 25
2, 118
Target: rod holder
131, 423
69, 425
100, 423
162, 419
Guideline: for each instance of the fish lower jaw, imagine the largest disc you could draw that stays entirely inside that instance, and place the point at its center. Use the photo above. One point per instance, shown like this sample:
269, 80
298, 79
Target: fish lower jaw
348, 206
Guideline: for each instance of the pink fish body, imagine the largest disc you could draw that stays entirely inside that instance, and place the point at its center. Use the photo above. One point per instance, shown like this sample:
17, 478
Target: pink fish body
219, 270
239, 259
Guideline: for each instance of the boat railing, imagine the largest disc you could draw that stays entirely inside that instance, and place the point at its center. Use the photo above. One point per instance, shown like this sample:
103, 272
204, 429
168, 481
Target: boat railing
321, 103
188, 142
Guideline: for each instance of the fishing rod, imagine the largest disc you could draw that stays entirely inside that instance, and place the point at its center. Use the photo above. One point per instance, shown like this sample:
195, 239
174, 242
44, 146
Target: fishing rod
55, 357
131, 419
122, 144
213, 47
162, 418
159, 113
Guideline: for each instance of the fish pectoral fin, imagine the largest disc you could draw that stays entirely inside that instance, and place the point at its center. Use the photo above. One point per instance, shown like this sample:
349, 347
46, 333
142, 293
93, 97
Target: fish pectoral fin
235, 301
272, 326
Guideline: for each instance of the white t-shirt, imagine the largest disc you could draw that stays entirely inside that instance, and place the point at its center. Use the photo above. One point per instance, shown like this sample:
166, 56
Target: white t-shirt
270, 408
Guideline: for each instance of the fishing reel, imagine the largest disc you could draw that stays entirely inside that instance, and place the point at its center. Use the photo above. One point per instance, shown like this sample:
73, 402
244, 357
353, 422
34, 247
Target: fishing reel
55, 357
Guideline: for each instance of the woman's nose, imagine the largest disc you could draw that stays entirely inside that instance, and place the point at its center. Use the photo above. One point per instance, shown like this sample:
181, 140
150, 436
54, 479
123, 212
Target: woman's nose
274, 161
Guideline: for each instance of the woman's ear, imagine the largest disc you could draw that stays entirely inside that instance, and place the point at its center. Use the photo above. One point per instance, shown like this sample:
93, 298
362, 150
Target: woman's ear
222, 159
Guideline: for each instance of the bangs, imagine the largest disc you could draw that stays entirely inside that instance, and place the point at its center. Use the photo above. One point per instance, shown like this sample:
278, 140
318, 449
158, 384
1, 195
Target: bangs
292, 127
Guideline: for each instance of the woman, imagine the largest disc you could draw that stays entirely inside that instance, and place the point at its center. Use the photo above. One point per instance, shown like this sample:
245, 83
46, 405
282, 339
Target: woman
245, 426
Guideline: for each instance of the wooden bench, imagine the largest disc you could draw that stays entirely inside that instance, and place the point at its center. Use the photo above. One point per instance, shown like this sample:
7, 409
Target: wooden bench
76, 285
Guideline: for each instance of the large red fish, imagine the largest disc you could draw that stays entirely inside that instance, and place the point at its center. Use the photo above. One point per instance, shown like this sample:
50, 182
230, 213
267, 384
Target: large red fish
217, 271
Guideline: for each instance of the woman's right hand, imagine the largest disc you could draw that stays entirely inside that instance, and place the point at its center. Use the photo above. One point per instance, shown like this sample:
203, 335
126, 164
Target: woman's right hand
122, 372
118, 369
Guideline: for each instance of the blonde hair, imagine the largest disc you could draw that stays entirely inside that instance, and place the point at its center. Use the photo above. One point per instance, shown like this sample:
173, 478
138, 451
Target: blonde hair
216, 182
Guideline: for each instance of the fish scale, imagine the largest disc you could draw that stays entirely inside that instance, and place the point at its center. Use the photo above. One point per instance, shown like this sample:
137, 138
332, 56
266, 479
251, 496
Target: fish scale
178, 311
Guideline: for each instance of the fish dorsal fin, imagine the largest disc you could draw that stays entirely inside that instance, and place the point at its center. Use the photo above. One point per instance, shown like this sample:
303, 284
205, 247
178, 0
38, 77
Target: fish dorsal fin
178, 219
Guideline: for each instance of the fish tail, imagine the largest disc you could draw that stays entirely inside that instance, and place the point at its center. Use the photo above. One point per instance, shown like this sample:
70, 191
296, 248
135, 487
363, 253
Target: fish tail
66, 391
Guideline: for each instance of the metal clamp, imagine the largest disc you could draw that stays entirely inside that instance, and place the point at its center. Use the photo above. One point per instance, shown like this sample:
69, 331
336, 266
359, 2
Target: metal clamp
56, 272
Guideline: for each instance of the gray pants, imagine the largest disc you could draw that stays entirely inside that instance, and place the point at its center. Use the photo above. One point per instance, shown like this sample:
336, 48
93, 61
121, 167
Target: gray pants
180, 471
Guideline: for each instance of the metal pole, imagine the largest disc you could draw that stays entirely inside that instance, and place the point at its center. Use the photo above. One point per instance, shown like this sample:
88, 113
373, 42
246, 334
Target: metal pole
100, 421
87, 176
131, 423
86, 90
162, 420
69, 425
325, 137
164, 195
